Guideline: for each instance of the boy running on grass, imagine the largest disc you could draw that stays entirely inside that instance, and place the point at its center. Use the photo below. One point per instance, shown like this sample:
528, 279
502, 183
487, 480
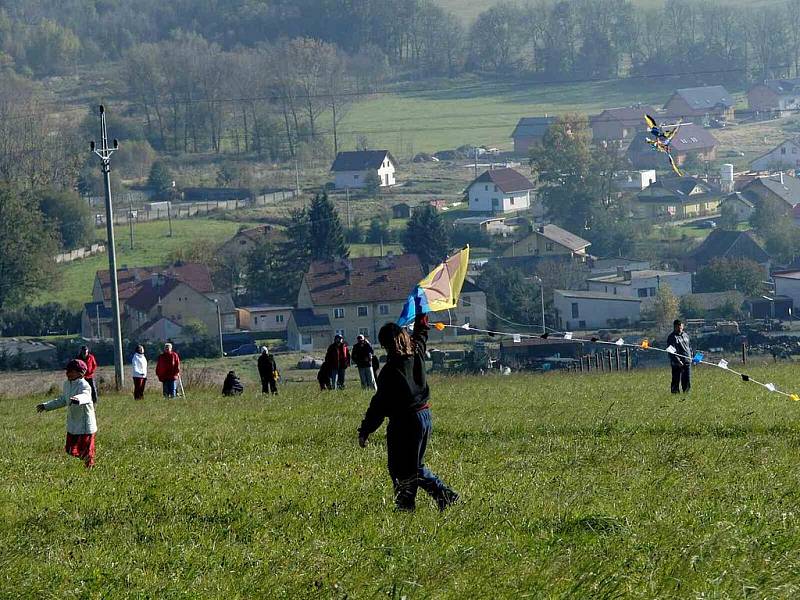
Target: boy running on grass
81, 423
403, 396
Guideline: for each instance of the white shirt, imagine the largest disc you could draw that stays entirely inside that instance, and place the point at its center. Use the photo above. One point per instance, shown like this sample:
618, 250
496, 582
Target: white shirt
139, 365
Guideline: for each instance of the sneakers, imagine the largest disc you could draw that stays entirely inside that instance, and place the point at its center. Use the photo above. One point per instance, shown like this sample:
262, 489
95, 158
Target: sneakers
445, 498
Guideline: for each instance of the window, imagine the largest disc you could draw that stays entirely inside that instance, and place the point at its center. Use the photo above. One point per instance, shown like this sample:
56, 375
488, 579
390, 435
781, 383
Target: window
575, 310
255, 321
495, 202
512, 200
466, 301
340, 332
783, 150
581, 324
495, 188
305, 340
279, 318
641, 292
363, 311
338, 313
466, 320
652, 291
355, 177
383, 309
486, 188
363, 331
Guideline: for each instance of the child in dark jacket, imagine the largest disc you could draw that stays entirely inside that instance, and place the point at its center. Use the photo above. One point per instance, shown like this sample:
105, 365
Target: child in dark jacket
403, 397
232, 386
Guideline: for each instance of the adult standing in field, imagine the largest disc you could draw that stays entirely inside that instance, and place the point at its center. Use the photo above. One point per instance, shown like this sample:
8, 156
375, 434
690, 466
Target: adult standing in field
338, 359
168, 369
362, 355
139, 370
680, 359
268, 371
91, 366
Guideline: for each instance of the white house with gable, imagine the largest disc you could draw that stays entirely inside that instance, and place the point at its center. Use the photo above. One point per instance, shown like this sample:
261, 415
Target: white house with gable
500, 191
350, 169
784, 156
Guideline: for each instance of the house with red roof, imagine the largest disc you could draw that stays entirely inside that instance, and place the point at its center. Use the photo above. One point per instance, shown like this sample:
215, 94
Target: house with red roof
500, 191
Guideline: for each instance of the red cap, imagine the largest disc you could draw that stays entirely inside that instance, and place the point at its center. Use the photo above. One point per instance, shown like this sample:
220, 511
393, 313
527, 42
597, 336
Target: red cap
78, 365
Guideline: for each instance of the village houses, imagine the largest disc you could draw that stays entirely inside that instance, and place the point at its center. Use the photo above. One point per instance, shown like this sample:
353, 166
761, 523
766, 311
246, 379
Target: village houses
642, 284
529, 132
691, 140
785, 155
781, 188
594, 310
703, 103
351, 169
352, 297
676, 198
500, 191
774, 97
618, 124
723, 244
549, 241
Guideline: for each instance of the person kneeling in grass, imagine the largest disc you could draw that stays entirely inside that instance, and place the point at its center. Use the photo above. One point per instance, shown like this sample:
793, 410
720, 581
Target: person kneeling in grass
403, 396
81, 423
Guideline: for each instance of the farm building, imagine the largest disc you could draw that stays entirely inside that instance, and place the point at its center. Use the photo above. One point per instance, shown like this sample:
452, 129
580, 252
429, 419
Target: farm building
712, 101
619, 124
529, 132
351, 169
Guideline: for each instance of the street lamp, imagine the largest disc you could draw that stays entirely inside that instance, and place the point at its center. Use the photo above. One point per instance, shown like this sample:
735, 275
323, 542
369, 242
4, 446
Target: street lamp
538, 280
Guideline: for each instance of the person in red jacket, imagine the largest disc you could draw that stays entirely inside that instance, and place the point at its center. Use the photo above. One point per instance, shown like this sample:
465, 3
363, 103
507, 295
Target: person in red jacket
337, 358
91, 367
168, 369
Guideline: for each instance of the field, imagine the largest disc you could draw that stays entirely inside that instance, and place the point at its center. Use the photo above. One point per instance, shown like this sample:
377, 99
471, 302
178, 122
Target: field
573, 487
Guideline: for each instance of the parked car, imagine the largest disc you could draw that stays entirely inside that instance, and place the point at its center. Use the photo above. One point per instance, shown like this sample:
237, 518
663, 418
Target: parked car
708, 225
243, 350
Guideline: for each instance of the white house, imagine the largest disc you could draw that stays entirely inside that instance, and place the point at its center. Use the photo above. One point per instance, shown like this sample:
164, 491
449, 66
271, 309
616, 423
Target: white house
499, 191
594, 310
350, 169
265, 317
636, 180
787, 284
643, 285
784, 156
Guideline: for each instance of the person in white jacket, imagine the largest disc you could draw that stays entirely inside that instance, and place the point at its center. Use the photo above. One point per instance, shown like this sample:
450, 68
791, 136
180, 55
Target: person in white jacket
139, 369
81, 423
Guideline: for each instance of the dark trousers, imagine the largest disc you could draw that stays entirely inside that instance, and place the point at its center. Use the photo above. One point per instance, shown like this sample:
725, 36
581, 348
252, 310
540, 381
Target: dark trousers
138, 387
337, 378
170, 388
269, 385
681, 378
90, 381
406, 441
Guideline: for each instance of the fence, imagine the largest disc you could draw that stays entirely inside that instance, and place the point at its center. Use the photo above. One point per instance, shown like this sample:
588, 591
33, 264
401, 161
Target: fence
68, 257
185, 210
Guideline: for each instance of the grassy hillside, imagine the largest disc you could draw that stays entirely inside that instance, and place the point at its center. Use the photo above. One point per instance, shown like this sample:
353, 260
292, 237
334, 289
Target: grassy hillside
573, 486
438, 114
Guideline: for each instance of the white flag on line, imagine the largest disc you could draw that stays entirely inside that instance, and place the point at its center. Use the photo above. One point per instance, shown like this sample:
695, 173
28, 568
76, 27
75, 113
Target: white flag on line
567, 335
620, 342
465, 327
770, 387
671, 349
517, 338
722, 364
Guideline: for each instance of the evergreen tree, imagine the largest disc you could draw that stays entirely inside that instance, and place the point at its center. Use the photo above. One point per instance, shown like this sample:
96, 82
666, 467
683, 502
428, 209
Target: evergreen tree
293, 259
326, 231
427, 237
160, 179
27, 247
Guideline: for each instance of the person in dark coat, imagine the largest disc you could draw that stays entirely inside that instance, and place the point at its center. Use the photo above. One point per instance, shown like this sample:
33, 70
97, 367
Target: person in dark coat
268, 371
337, 358
324, 377
362, 354
232, 386
404, 397
681, 359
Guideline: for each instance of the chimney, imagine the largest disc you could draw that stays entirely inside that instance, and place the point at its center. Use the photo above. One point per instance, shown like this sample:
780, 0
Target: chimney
621, 272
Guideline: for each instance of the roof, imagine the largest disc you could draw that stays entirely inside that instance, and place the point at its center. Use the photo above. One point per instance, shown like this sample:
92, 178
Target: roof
673, 188
594, 296
644, 274
788, 190
225, 300
507, 179
721, 243
562, 237
371, 280
690, 138
711, 96
265, 307
478, 220
305, 318
781, 87
737, 196
195, 275
148, 295
795, 141
532, 126
360, 160
787, 274
624, 114
260, 231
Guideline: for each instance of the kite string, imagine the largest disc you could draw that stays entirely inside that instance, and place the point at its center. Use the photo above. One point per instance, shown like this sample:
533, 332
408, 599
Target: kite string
621, 344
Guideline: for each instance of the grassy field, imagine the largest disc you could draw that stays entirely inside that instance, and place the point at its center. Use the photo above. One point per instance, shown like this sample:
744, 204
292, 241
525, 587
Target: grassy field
446, 114
152, 246
572, 486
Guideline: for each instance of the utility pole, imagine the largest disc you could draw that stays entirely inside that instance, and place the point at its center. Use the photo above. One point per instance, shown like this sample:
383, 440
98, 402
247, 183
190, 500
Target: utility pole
169, 216
296, 179
476, 162
104, 152
131, 216
347, 194
219, 329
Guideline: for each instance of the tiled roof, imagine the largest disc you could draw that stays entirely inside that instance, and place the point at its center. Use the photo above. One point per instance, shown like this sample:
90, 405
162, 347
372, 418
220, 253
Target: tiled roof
226, 304
710, 96
195, 275
532, 126
674, 189
507, 179
690, 138
629, 115
788, 190
728, 244
782, 86
371, 280
148, 295
562, 237
360, 160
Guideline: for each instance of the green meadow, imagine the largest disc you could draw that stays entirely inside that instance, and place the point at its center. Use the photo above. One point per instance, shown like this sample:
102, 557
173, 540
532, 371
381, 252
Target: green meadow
573, 486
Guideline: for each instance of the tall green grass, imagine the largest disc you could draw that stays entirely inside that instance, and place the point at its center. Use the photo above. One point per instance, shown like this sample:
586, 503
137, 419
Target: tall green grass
572, 486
